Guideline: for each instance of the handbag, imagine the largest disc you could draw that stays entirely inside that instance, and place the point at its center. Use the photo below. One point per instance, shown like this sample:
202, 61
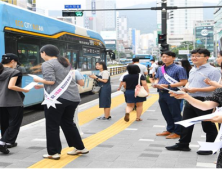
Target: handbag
139, 90
96, 88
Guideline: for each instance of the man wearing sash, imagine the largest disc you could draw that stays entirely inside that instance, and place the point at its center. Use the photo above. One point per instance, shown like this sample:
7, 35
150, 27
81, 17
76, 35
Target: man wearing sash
198, 89
170, 107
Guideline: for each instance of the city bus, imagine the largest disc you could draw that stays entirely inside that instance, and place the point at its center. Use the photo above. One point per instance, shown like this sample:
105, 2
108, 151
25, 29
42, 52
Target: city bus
144, 59
24, 32
125, 61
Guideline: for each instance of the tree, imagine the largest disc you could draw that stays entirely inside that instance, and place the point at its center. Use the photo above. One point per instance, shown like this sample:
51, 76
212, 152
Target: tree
185, 45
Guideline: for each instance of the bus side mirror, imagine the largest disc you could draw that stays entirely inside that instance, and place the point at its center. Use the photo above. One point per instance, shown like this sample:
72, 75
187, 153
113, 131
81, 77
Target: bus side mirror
112, 55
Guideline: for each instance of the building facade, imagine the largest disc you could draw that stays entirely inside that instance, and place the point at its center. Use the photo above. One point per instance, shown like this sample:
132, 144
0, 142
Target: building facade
105, 20
218, 29
90, 16
134, 40
27, 4
204, 35
121, 28
109, 39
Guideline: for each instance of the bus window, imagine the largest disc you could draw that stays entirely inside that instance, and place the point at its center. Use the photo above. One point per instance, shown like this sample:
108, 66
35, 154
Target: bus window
89, 63
80, 62
74, 60
29, 58
68, 55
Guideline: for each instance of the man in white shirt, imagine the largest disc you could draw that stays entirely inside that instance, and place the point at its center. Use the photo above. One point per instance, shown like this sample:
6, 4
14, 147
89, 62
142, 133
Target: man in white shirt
152, 70
143, 69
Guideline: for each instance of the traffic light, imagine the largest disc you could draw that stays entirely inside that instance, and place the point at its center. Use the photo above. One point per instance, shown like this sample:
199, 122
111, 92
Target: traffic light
162, 38
164, 47
66, 13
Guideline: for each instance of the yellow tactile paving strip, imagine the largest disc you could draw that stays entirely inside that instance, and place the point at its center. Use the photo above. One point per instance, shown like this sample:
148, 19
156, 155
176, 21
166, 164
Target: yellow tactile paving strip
96, 139
94, 112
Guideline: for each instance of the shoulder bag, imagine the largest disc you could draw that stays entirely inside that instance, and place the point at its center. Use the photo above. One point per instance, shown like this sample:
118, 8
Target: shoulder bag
139, 90
96, 88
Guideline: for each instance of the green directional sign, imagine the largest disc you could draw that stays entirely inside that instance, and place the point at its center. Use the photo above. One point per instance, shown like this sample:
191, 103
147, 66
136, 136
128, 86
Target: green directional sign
70, 13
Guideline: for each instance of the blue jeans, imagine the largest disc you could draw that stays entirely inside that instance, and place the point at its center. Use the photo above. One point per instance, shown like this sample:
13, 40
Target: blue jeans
171, 111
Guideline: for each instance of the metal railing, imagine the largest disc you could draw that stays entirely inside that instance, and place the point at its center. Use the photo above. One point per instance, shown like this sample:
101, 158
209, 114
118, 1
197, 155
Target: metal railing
117, 69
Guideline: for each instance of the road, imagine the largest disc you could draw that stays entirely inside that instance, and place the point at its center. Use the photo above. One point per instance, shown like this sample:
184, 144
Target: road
34, 113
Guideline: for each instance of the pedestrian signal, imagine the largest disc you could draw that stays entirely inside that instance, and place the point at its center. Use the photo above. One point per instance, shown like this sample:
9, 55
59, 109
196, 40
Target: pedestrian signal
162, 38
66, 13
164, 47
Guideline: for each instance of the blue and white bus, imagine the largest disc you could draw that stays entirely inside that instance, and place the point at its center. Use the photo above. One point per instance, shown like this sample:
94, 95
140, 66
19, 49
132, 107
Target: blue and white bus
125, 61
144, 59
24, 32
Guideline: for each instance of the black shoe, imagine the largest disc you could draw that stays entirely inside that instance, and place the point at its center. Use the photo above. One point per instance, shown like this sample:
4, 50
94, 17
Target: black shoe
11, 145
109, 117
4, 149
178, 148
204, 152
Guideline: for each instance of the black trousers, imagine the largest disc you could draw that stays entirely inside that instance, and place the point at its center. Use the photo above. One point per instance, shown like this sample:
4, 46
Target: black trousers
208, 127
11, 120
4, 119
62, 116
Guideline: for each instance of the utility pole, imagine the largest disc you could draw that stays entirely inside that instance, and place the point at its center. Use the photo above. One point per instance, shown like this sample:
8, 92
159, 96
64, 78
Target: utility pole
164, 16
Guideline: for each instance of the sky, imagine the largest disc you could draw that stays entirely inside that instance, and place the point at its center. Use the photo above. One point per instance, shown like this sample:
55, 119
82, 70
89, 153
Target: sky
125, 3
47, 4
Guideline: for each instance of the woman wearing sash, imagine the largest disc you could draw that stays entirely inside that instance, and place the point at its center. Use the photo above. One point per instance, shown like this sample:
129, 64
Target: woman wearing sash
103, 80
54, 70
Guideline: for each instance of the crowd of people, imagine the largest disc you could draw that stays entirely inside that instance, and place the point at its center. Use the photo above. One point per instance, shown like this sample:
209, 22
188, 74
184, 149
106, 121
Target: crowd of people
202, 84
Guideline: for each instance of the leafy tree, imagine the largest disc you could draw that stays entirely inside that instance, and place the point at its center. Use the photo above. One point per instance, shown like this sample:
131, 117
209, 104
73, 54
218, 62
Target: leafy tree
183, 46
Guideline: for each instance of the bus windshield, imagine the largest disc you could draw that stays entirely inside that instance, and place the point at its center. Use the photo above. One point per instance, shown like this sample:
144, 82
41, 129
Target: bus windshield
144, 59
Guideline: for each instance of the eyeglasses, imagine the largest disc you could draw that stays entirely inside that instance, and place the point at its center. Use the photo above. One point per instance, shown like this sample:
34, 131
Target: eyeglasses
196, 56
167, 56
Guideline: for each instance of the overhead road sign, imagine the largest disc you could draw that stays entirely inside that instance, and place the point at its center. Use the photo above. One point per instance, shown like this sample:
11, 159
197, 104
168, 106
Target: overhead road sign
72, 6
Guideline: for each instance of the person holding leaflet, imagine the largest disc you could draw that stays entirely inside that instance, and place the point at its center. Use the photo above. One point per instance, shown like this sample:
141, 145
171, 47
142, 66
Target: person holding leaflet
11, 105
56, 71
210, 102
170, 107
198, 89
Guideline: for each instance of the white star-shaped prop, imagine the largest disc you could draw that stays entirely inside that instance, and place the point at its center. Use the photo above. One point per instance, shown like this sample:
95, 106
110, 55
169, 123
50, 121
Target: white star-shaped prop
50, 103
210, 146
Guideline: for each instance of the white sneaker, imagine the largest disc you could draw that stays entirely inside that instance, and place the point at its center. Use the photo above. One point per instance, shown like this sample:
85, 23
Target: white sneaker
55, 156
76, 151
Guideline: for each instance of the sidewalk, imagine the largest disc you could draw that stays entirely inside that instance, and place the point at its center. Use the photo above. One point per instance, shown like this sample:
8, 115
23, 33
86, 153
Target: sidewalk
112, 144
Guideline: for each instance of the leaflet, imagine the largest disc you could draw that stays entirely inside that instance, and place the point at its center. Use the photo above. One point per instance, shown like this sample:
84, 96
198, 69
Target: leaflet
176, 92
30, 85
34, 76
190, 122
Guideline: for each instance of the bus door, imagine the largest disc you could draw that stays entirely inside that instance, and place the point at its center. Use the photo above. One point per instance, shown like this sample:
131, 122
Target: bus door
72, 56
